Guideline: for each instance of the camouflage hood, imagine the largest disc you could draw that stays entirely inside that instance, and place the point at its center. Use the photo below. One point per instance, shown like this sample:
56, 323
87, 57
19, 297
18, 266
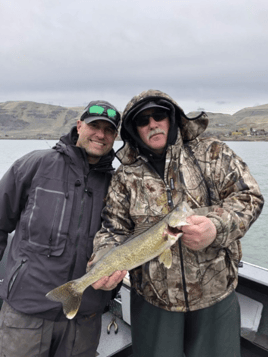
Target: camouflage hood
190, 128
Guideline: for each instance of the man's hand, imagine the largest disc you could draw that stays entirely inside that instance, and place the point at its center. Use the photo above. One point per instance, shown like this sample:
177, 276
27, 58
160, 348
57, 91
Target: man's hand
199, 234
110, 282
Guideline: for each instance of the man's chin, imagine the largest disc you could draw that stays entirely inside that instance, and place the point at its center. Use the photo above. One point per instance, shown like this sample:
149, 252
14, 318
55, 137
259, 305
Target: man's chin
157, 146
97, 154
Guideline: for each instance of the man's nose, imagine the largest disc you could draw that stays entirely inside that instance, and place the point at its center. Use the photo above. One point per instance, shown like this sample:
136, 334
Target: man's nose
152, 122
101, 133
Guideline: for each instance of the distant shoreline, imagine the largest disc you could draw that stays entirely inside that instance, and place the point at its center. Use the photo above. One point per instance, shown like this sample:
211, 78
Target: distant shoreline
223, 138
24, 120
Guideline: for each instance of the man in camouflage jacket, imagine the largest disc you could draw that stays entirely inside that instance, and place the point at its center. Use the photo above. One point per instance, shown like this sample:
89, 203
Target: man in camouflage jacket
164, 162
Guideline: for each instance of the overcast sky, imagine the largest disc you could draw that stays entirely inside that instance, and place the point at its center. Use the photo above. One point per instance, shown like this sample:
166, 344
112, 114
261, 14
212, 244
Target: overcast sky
209, 55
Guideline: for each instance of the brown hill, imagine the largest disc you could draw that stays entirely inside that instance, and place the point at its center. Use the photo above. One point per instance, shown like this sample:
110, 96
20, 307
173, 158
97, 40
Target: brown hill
249, 123
31, 120
256, 117
35, 120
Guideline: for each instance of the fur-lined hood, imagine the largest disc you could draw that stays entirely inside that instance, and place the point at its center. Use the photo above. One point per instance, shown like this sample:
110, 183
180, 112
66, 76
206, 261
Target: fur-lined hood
190, 128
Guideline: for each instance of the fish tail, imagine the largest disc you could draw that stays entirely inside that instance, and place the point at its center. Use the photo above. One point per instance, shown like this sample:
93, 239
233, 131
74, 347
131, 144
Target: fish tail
68, 295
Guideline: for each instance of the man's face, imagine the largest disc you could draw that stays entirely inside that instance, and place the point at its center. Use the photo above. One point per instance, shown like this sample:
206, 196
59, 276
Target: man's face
97, 138
155, 133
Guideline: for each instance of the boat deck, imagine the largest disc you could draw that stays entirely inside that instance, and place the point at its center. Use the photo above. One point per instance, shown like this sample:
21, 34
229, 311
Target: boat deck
114, 344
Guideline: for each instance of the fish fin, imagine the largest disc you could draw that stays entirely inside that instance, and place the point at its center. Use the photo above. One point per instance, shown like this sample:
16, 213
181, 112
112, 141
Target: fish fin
185, 208
166, 258
68, 295
142, 228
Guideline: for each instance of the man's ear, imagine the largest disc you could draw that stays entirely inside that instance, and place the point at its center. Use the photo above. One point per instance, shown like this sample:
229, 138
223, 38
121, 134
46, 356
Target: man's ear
78, 125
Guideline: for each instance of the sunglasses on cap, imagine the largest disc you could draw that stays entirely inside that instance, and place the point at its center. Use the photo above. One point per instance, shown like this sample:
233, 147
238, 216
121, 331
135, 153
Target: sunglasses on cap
143, 120
104, 111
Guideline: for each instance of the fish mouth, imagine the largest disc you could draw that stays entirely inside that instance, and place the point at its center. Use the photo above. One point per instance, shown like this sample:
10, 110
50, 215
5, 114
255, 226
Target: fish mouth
174, 230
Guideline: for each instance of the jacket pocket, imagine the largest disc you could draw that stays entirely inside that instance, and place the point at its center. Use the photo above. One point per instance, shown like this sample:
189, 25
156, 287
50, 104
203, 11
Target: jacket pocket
14, 274
46, 225
215, 275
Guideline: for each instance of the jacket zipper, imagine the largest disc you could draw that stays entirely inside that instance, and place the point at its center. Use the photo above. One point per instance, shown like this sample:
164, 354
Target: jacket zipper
170, 203
53, 224
183, 278
72, 266
14, 276
80, 218
86, 193
169, 196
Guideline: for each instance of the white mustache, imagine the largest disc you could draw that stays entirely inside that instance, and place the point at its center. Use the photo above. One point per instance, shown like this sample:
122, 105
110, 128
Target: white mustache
155, 131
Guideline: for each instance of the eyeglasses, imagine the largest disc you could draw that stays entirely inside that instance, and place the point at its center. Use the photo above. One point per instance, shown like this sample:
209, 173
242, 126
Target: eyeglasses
143, 120
102, 110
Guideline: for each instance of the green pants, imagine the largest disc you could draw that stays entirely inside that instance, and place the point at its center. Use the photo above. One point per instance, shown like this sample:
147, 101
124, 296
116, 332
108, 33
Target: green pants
209, 332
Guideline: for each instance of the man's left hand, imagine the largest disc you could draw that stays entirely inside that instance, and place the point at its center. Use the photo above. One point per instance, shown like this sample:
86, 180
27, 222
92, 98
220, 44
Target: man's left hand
110, 282
199, 234
107, 282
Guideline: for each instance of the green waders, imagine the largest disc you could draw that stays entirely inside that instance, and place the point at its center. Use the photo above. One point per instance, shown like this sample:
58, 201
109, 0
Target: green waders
209, 332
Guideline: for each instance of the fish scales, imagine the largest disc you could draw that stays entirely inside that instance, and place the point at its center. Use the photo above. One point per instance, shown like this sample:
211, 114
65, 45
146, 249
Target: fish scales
131, 254
141, 248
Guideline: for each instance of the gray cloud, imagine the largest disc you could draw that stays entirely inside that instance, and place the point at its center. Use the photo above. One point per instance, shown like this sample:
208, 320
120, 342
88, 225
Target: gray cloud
209, 54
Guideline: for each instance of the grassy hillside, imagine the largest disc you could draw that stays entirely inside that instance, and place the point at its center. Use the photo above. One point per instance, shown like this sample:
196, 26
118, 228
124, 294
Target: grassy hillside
36, 120
31, 120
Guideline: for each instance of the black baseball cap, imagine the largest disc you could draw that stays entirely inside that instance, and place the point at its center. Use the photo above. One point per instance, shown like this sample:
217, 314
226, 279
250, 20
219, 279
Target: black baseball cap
149, 105
101, 110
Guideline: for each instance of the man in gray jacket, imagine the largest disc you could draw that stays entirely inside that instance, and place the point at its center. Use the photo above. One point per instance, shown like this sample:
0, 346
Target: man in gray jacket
53, 199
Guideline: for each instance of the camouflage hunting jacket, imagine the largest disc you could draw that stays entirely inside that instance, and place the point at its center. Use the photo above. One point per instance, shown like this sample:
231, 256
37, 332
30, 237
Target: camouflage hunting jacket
209, 176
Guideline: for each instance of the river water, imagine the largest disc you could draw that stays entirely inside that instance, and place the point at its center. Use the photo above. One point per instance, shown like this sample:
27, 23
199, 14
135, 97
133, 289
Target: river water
255, 154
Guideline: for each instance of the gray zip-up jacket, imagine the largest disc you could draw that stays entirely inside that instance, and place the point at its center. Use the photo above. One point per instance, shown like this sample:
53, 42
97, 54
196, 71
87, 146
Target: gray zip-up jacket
53, 200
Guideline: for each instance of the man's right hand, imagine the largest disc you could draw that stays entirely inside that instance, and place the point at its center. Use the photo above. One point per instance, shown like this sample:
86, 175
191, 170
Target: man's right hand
110, 282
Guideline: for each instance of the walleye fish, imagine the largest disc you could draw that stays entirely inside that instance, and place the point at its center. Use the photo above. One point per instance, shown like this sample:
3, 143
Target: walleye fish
136, 250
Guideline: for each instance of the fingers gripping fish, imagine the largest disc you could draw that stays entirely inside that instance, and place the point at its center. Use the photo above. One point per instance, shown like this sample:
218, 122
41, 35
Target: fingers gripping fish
138, 249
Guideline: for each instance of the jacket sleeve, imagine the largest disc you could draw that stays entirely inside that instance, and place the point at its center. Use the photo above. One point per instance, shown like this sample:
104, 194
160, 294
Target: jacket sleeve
14, 190
240, 199
116, 224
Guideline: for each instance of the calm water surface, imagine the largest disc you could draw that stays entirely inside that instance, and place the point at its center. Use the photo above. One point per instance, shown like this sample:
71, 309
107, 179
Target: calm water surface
255, 154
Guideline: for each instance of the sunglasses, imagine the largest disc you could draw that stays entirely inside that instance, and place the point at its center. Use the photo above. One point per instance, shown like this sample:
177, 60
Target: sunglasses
143, 120
100, 110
